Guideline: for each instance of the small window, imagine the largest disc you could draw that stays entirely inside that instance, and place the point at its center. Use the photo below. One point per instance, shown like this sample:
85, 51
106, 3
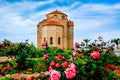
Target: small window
55, 16
59, 40
63, 17
51, 40
44, 39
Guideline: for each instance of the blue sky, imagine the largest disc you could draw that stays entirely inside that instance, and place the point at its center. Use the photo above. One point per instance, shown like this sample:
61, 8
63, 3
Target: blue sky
92, 18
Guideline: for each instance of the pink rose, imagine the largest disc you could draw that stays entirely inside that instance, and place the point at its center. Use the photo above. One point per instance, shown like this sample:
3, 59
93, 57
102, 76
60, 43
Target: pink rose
72, 66
59, 57
44, 44
82, 43
50, 69
57, 65
82, 56
70, 73
52, 63
76, 44
55, 75
95, 54
75, 53
65, 64
45, 56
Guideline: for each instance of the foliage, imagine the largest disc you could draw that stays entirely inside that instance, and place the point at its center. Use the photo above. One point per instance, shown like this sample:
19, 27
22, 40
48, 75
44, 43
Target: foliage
86, 41
36, 65
59, 50
116, 41
7, 67
6, 79
89, 65
88, 68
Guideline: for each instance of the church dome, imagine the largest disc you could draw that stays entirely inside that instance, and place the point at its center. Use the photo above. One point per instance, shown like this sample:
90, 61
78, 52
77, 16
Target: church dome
56, 12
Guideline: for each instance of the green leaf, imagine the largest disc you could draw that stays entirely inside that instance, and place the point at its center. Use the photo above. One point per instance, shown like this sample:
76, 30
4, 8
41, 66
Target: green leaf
94, 66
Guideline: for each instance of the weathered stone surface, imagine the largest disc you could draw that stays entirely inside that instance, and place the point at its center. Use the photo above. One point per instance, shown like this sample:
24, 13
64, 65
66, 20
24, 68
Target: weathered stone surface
56, 25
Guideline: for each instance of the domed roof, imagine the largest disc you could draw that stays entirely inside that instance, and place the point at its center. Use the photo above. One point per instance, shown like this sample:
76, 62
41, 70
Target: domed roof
56, 12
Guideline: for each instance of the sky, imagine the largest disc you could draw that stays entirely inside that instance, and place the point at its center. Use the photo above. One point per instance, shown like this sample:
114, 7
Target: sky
92, 18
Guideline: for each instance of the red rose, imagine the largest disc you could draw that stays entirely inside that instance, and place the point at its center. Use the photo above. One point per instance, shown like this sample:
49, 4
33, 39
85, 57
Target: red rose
44, 44
50, 68
76, 44
59, 57
109, 67
29, 78
113, 66
95, 54
65, 64
52, 63
57, 65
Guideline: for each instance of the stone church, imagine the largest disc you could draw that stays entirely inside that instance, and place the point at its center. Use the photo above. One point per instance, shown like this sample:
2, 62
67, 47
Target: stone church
57, 30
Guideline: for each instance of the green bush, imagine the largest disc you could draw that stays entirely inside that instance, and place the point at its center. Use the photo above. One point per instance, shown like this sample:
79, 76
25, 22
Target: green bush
6, 79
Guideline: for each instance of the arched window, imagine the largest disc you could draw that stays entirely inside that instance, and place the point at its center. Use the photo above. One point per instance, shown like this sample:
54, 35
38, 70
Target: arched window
44, 39
55, 16
59, 40
63, 17
51, 40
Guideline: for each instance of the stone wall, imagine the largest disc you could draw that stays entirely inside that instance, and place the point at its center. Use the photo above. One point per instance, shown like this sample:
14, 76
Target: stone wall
64, 31
54, 32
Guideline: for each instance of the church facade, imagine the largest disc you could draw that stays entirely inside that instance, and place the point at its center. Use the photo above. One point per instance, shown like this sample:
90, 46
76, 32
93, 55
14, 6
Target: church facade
57, 30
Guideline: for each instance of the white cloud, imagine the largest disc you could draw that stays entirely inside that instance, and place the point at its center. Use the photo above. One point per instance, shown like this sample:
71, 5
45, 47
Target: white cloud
88, 24
85, 17
89, 16
13, 23
25, 5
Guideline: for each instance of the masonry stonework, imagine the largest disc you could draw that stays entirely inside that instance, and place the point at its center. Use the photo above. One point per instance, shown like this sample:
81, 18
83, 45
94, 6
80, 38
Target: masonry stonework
57, 30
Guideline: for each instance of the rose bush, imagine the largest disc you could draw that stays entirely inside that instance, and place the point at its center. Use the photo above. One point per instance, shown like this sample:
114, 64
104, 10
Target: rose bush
84, 63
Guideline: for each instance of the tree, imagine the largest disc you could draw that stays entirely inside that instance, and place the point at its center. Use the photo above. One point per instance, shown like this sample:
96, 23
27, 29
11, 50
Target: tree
100, 38
95, 41
116, 41
86, 41
6, 42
